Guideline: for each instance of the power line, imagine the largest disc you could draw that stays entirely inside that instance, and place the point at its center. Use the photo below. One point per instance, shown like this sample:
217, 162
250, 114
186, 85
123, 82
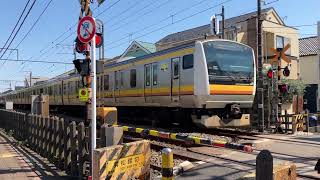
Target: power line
24, 9
35, 61
69, 29
18, 30
175, 22
34, 24
160, 21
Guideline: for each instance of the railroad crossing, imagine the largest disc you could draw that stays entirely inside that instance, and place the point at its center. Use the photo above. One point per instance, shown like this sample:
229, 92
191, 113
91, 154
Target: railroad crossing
219, 101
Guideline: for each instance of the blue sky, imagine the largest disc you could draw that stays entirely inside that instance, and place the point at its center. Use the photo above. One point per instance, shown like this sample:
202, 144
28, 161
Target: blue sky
125, 21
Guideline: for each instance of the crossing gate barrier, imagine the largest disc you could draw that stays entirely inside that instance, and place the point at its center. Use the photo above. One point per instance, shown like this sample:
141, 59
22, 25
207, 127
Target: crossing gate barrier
187, 138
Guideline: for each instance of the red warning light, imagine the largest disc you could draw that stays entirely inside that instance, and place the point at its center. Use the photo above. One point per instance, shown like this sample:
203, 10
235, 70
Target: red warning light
270, 73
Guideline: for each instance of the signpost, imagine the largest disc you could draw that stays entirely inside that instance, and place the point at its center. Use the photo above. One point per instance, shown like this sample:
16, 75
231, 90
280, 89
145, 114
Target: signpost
86, 29
86, 32
84, 94
279, 53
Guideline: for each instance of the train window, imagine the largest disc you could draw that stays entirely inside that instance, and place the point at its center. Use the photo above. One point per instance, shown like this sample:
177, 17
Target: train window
188, 61
64, 89
155, 74
121, 79
148, 76
76, 86
98, 83
176, 69
116, 78
106, 82
133, 78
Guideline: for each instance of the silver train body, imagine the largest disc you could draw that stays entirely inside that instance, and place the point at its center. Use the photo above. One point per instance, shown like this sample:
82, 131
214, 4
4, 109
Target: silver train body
214, 80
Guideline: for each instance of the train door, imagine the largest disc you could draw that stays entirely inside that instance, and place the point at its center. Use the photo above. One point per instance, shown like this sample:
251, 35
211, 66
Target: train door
147, 83
116, 86
175, 79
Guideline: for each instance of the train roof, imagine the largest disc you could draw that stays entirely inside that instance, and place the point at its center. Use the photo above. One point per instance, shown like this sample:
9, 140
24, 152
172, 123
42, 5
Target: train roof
158, 53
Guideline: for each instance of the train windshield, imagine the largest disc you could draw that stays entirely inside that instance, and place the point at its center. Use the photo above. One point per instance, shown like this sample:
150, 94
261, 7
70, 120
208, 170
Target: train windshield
229, 62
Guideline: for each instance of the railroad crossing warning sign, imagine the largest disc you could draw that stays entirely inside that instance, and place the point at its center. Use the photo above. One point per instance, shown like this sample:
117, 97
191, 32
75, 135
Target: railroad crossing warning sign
281, 54
84, 94
86, 29
299, 122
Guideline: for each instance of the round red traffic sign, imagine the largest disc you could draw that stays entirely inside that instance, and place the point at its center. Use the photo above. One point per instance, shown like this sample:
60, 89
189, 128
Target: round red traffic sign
86, 29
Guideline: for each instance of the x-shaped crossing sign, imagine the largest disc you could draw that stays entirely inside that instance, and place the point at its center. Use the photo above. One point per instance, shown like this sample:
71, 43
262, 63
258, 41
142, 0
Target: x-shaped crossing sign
281, 54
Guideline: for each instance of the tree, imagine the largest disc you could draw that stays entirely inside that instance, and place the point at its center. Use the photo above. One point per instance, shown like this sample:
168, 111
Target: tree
296, 87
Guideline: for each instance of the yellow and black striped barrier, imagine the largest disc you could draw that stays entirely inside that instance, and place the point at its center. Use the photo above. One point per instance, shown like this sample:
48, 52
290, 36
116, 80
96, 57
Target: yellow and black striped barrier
187, 138
167, 164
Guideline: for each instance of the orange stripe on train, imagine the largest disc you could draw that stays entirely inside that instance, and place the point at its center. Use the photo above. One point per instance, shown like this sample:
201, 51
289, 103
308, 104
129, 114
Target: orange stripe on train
231, 89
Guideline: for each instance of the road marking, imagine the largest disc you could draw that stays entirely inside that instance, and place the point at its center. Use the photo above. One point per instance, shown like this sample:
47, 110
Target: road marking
7, 155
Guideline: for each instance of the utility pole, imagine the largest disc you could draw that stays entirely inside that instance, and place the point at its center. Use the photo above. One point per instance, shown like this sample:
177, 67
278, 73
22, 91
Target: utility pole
30, 78
260, 96
222, 14
318, 101
222, 22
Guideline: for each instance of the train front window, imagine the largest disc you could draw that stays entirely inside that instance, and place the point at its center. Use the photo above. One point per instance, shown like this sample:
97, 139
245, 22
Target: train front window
229, 62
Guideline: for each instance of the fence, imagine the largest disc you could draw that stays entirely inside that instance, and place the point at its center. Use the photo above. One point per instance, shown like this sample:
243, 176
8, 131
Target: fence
64, 143
299, 122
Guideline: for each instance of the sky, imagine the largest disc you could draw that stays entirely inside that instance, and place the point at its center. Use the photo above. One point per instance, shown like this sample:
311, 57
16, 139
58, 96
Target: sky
52, 37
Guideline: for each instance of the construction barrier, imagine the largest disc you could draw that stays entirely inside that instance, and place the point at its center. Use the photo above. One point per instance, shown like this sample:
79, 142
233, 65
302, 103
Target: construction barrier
187, 138
130, 160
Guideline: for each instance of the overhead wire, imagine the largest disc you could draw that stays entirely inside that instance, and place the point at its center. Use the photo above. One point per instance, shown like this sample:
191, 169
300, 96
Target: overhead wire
35, 61
32, 27
24, 9
51, 44
18, 30
158, 22
175, 22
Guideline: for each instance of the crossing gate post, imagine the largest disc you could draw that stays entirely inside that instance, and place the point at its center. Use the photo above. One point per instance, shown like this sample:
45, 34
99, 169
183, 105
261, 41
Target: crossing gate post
167, 164
264, 166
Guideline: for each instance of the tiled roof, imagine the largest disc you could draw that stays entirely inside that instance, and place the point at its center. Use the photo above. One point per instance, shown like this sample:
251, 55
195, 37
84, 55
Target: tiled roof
308, 46
205, 29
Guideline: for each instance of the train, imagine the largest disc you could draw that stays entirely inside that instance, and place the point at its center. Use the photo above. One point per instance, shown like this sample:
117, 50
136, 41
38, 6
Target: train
209, 82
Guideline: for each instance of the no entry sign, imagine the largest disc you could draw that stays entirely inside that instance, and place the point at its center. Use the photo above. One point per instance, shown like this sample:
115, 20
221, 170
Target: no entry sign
86, 29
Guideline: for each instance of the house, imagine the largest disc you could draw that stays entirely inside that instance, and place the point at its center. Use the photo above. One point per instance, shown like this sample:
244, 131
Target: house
139, 48
309, 71
243, 29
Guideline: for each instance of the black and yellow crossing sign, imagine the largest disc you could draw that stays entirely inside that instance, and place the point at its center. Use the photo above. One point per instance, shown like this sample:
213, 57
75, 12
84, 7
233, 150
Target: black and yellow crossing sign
130, 160
299, 122
84, 94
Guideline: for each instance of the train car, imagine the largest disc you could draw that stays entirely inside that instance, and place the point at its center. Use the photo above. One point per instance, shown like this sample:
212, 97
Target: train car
211, 82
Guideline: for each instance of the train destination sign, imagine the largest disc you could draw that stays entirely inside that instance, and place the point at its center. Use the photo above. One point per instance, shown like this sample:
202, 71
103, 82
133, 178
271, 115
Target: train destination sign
86, 29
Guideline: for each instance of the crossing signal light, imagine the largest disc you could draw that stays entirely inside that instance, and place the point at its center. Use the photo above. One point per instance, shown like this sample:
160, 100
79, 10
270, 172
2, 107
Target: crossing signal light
286, 71
99, 40
283, 88
270, 73
82, 66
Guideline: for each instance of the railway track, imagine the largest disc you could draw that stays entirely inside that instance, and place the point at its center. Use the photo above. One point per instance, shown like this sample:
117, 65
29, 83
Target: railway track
188, 153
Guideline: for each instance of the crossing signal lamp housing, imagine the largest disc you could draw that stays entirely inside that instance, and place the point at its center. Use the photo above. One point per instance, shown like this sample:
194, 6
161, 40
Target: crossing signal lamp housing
99, 40
82, 66
270, 73
283, 88
286, 71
